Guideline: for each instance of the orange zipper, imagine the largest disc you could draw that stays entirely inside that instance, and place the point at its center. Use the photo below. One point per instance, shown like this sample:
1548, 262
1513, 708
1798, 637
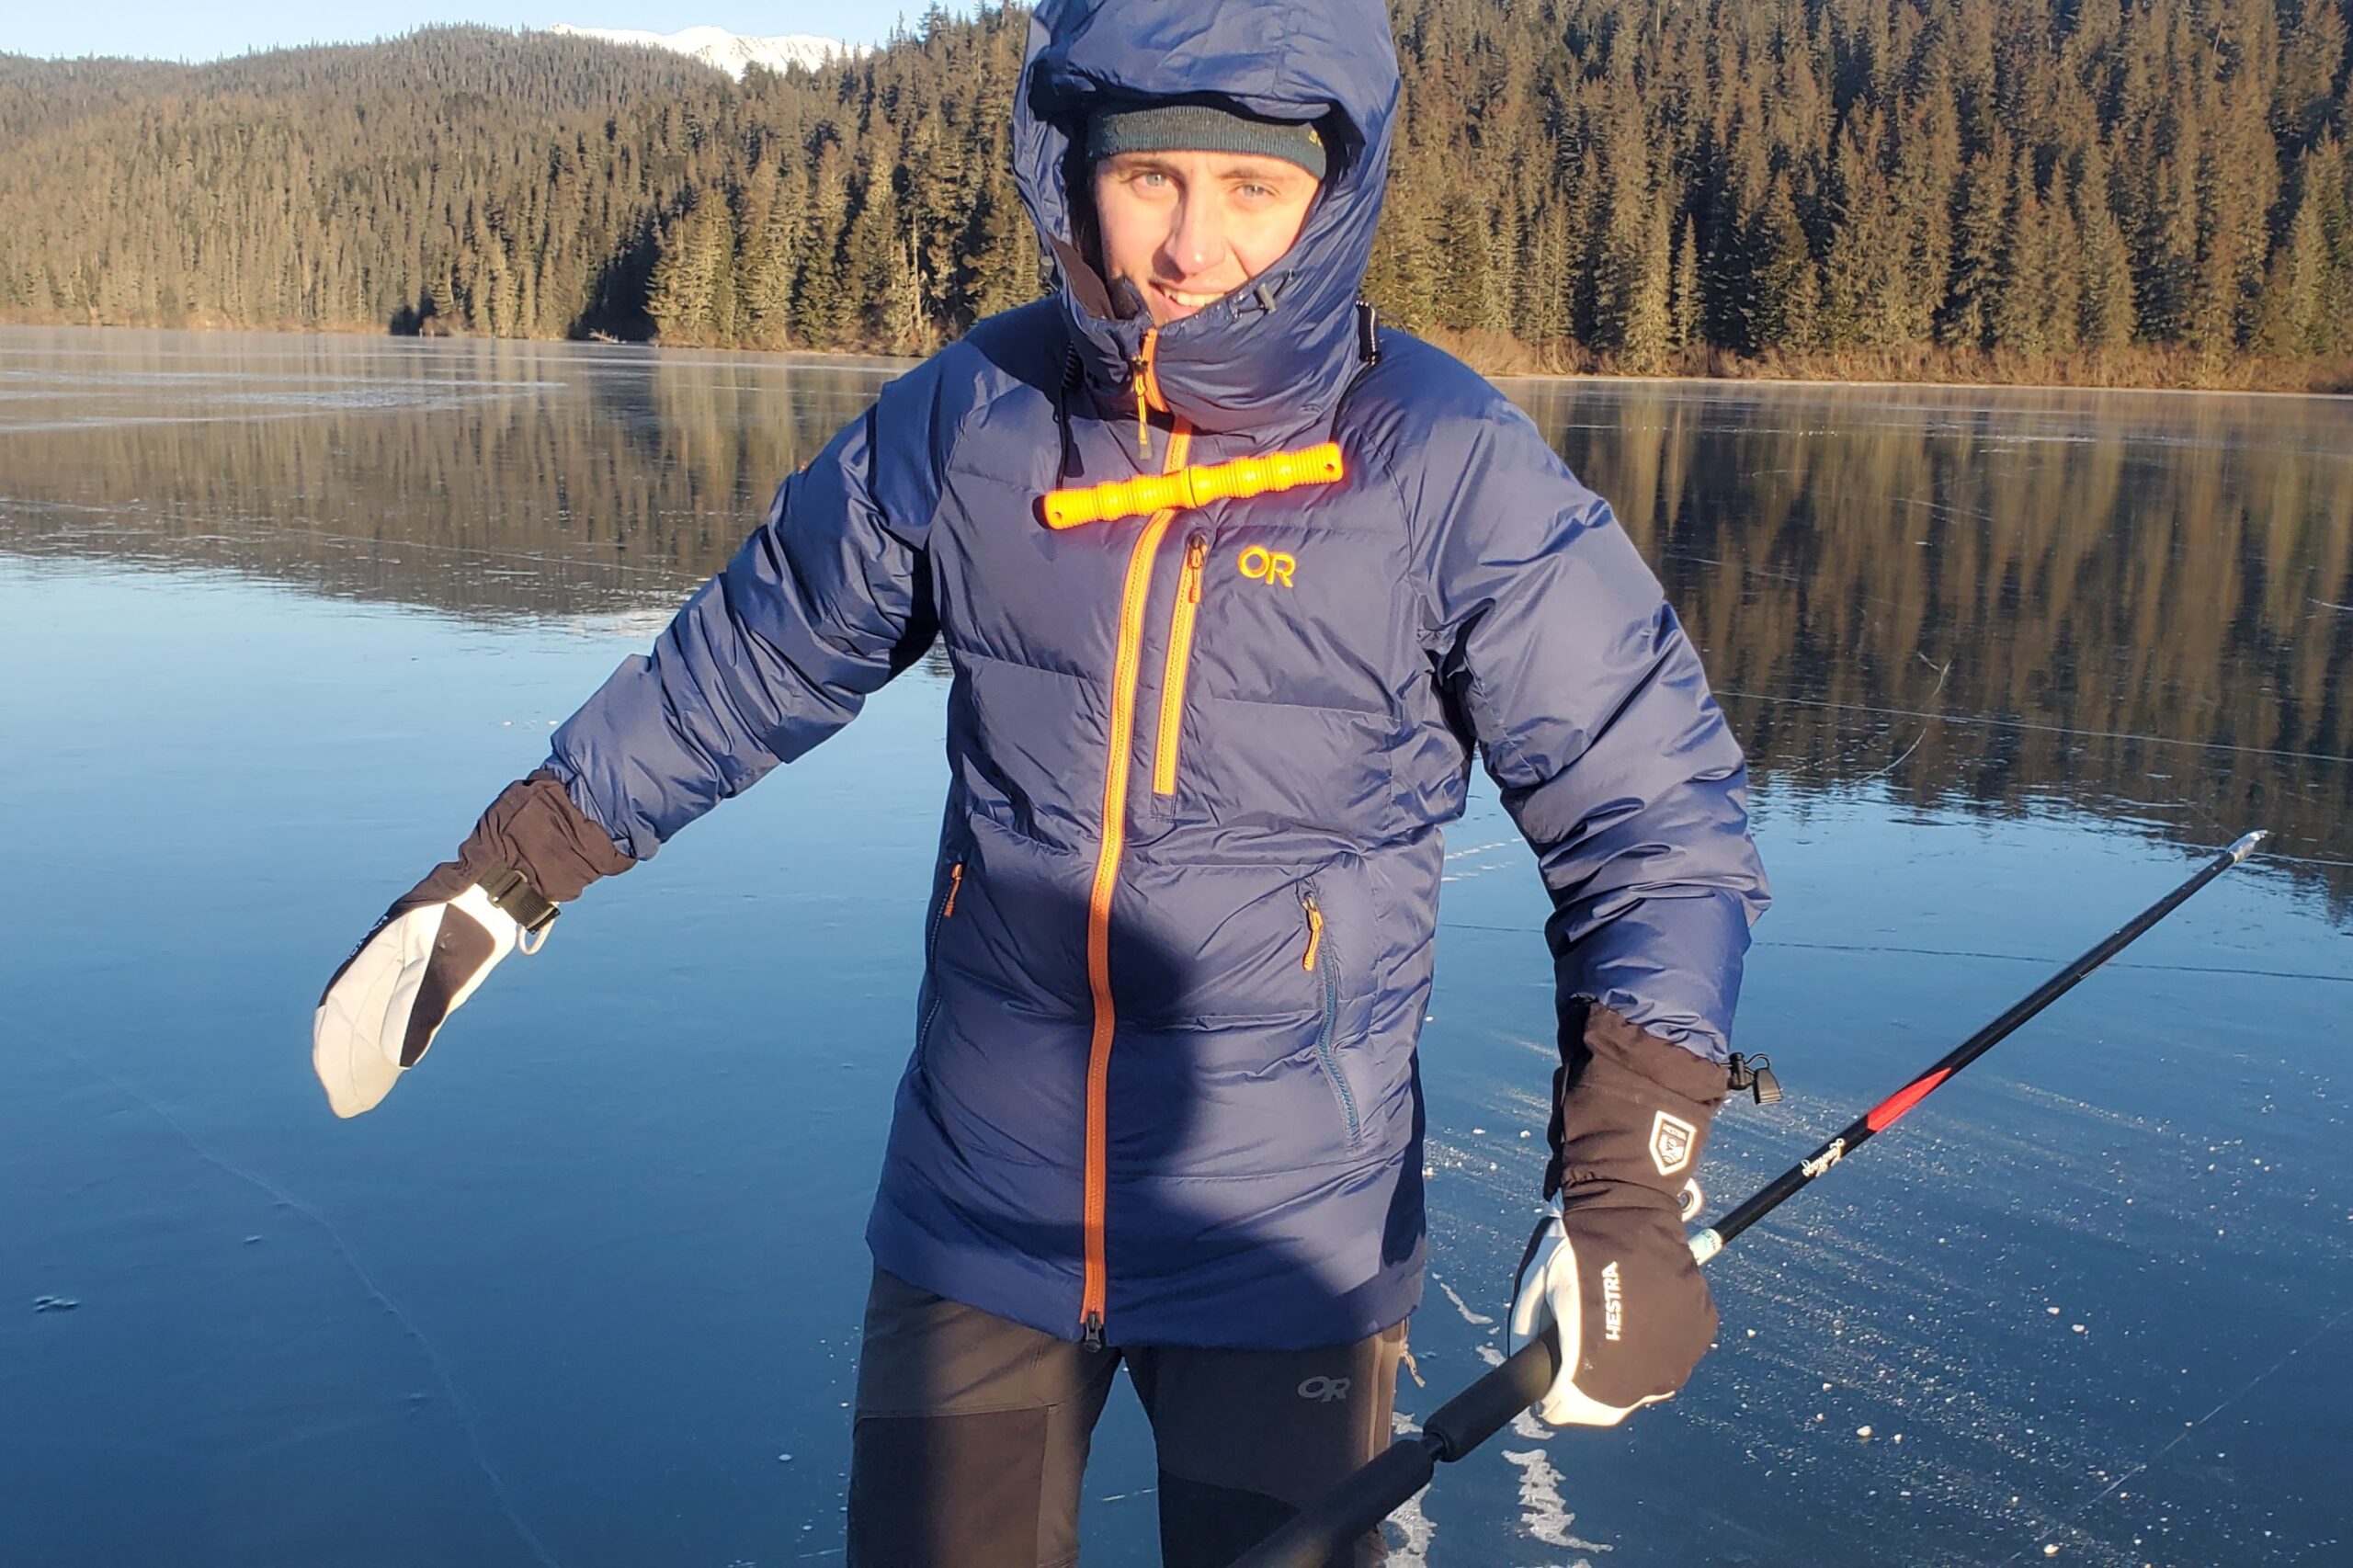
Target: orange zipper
1180, 658
1326, 1046
1133, 594
931, 954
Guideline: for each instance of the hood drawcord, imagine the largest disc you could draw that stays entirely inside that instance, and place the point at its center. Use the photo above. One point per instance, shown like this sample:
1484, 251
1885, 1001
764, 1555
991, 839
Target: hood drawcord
1148, 398
1368, 356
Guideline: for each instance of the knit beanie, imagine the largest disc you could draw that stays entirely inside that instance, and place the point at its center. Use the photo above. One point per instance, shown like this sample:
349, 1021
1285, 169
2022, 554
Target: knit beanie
1203, 128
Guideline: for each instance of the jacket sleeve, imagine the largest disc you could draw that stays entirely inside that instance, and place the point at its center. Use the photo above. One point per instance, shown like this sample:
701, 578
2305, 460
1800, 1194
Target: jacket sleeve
829, 599
1555, 648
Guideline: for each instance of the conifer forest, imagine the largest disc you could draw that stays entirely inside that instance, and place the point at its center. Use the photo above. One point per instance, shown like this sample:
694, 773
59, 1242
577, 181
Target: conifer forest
2102, 191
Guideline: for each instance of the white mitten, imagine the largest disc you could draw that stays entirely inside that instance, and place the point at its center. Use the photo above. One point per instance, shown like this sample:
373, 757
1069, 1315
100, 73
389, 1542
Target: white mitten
383, 1007
1615, 1273
532, 850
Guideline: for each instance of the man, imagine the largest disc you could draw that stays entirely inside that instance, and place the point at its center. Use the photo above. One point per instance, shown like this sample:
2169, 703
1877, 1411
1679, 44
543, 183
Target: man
1163, 1108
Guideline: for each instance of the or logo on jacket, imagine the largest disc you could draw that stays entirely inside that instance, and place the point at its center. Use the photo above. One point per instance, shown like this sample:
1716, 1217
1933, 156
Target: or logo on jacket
1272, 567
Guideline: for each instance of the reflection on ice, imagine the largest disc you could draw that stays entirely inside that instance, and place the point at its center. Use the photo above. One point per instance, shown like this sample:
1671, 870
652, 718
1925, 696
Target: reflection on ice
2129, 602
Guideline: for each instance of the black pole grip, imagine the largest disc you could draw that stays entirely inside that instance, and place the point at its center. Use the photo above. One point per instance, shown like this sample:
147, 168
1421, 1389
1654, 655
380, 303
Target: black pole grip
1326, 1534
1475, 1414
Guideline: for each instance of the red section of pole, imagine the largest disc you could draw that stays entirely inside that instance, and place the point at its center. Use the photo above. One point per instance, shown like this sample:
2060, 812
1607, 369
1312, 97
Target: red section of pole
1882, 1115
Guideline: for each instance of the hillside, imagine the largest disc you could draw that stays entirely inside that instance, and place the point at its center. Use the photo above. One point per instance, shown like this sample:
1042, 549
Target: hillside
2096, 190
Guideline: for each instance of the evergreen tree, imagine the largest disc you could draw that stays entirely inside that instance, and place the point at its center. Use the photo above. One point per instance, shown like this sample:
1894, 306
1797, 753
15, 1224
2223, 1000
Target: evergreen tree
1689, 311
1649, 321
2298, 315
821, 300
2326, 181
1789, 292
2105, 318
767, 263
2036, 305
1866, 299
1632, 273
2308, 101
1981, 236
693, 259
1005, 265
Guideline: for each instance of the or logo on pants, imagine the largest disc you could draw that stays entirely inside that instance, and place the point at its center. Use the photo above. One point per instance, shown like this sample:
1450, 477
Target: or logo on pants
1323, 1390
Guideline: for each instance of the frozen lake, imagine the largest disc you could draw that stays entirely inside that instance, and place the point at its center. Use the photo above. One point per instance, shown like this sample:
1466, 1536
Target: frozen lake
284, 613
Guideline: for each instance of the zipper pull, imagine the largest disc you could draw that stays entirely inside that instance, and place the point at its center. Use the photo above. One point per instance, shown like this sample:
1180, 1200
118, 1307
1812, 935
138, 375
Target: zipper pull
1197, 551
1090, 1331
1314, 928
1147, 389
955, 886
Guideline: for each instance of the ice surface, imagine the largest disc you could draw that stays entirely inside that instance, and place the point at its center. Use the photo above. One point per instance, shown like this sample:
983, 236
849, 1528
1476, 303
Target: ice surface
285, 654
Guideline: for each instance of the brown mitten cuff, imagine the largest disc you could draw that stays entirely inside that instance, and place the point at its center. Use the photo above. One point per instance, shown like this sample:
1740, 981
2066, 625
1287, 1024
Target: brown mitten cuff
1629, 1106
534, 828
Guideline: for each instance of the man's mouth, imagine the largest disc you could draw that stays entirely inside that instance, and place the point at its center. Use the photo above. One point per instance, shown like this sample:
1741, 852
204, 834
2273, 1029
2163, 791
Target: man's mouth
1187, 301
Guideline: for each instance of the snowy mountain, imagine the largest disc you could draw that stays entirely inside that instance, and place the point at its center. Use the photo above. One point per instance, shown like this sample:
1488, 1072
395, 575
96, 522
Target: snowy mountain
730, 53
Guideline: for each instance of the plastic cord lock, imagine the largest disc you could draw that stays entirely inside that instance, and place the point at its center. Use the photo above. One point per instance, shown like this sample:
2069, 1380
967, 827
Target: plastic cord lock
1754, 1073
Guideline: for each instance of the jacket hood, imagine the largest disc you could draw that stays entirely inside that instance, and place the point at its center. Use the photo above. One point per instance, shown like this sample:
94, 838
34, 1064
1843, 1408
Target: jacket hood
1282, 347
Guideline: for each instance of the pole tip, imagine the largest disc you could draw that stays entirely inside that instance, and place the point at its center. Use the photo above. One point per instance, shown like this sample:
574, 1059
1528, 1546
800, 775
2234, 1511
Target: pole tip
2246, 845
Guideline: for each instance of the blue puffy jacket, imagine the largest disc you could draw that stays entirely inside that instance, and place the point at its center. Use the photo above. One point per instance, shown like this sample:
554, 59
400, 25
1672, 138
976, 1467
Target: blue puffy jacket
1164, 1084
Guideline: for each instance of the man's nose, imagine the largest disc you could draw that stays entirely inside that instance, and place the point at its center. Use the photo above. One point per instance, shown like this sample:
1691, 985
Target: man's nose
1196, 236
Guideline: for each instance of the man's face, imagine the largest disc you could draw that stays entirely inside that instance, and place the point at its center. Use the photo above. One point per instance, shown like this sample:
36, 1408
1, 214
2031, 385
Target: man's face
1187, 227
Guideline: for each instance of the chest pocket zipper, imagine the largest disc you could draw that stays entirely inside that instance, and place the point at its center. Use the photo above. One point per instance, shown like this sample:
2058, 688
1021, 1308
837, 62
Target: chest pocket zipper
944, 910
1180, 659
1320, 961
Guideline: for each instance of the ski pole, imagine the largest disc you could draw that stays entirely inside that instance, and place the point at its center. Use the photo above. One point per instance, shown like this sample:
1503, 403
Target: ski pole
1360, 1503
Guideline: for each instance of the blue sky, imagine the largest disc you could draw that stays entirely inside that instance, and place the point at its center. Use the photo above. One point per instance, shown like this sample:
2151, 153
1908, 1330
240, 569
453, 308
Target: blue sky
181, 30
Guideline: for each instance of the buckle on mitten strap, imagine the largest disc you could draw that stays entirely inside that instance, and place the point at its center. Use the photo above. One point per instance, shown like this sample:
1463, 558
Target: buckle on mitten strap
510, 890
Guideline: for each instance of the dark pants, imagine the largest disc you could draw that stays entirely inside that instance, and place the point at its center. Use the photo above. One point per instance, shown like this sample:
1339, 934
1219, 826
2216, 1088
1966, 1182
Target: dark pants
971, 1432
